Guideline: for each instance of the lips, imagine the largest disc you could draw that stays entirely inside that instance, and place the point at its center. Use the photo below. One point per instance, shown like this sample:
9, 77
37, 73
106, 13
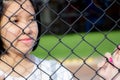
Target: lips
26, 40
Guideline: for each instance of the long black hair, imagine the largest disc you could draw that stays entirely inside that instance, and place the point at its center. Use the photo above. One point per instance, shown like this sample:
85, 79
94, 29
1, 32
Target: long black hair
36, 4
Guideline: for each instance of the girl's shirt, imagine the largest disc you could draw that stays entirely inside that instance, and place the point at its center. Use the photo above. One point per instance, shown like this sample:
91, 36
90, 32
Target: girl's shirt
43, 70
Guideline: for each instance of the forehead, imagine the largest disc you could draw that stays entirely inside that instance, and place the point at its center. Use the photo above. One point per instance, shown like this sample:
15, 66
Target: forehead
17, 6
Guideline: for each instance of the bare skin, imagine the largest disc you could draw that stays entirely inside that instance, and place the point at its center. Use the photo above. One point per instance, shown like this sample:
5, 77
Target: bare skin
109, 69
14, 61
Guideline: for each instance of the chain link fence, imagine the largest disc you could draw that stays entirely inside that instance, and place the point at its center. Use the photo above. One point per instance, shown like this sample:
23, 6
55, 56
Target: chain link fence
87, 25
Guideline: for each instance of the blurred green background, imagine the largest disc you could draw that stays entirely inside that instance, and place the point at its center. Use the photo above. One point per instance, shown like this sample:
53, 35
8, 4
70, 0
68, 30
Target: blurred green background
81, 45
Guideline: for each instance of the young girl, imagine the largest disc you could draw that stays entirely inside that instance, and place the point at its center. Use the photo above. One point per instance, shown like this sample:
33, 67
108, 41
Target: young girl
19, 35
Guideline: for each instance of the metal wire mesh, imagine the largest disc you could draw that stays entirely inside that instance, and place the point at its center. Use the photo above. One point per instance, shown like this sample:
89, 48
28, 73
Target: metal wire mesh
63, 18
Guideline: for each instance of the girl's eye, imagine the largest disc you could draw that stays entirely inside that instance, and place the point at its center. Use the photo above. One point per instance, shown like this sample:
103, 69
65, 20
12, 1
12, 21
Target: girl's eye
32, 19
15, 21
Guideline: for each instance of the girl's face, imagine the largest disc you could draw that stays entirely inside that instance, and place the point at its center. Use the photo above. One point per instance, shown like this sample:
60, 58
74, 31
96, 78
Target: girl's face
18, 28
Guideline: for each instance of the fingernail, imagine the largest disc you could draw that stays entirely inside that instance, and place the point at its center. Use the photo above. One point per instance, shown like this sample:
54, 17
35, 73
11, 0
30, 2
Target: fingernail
110, 60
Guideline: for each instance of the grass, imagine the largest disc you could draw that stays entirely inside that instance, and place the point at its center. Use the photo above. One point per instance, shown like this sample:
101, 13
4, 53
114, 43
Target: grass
82, 45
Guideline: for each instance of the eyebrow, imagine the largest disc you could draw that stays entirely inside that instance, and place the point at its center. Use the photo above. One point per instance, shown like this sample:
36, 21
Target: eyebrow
31, 15
14, 16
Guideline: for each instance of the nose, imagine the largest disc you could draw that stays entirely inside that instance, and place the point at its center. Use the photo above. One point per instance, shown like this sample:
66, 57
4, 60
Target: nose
26, 30
25, 27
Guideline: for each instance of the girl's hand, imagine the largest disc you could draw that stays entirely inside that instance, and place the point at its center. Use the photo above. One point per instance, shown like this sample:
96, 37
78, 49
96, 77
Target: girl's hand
109, 69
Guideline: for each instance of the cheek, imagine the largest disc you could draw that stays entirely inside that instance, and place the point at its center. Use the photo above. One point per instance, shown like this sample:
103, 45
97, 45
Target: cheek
10, 33
35, 30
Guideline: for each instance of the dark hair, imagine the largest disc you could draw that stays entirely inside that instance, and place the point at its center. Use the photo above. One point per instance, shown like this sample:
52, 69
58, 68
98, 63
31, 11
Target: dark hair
36, 4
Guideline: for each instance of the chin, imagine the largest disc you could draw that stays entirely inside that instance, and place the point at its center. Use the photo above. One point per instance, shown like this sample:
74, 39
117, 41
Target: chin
24, 50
